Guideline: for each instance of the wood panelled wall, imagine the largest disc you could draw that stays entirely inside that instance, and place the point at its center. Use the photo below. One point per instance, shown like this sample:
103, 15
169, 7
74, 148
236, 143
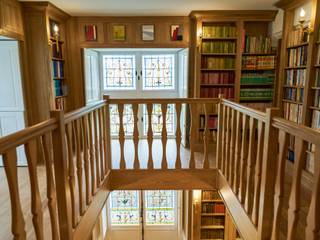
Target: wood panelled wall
10, 19
133, 25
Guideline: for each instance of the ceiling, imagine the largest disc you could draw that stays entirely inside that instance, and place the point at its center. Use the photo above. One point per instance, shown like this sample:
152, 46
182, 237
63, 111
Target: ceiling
154, 7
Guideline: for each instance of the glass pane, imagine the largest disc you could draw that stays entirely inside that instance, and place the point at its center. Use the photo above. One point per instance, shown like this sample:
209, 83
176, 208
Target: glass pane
119, 72
156, 119
160, 207
158, 71
128, 121
124, 207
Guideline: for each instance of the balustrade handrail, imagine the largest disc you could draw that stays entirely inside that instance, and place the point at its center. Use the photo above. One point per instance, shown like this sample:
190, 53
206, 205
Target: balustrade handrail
162, 100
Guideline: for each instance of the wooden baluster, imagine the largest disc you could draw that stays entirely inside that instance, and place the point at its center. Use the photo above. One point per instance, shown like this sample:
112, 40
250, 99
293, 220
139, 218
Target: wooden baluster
150, 136
313, 218
86, 159
164, 164
17, 220
280, 183
78, 138
71, 176
244, 154
101, 146
227, 148
121, 136
236, 184
206, 136
257, 181
96, 147
294, 200
51, 189
251, 162
270, 145
219, 138
107, 144
178, 136
224, 126
36, 206
232, 147
91, 154
193, 113
60, 176
136, 163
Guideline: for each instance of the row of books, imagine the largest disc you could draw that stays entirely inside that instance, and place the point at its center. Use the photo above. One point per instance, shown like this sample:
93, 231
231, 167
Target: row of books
213, 208
207, 221
57, 69
218, 62
58, 88
253, 44
212, 124
296, 77
258, 62
292, 112
317, 98
205, 92
219, 47
310, 162
261, 106
219, 31
297, 56
56, 50
256, 78
217, 78
256, 93
318, 56
60, 103
210, 195
298, 36
317, 80
212, 234
294, 94
316, 120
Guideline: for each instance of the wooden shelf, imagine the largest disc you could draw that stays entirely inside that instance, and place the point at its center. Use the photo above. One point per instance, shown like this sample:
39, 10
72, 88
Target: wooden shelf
258, 69
315, 108
212, 201
259, 54
296, 67
290, 101
298, 45
63, 96
315, 88
213, 214
59, 78
256, 84
218, 69
218, 54
217, 85
256, 99
58, 59
220, 38
212, 227
317, 65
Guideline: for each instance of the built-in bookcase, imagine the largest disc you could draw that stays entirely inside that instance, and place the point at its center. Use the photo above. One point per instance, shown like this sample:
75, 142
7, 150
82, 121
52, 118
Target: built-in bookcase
258, 66
58, 66
212, 216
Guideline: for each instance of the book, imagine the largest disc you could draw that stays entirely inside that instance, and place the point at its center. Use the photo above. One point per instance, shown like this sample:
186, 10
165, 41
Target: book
218, 63
213, 92
298, 36
292, 112
295, 77
219, 47
297, 57
253, 44
57, 69
256, 93
258, 62
256, 78
294, 94
217, 78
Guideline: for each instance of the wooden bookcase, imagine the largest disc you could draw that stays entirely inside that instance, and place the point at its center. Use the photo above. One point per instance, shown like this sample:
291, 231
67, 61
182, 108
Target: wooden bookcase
217, 52
212, 215
297, 98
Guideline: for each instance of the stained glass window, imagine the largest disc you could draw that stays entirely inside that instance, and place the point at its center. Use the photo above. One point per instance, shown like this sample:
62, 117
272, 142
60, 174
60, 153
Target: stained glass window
158, 71
119, 72
156, 119
124, 208
127, 120
160, 207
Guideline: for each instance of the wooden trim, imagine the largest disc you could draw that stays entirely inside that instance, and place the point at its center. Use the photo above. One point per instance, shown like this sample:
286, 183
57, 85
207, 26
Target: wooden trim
163, 100
174, 179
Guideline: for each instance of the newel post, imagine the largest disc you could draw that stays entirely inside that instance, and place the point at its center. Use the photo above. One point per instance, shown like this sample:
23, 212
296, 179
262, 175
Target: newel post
219, 133
61, 176
107, 131
268, 176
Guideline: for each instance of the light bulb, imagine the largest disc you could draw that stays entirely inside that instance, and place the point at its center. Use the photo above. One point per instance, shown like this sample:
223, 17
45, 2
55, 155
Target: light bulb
302, 13
196, 196
55, 29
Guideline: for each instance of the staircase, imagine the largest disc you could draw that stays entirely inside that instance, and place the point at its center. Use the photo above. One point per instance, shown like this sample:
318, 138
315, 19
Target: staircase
248, 166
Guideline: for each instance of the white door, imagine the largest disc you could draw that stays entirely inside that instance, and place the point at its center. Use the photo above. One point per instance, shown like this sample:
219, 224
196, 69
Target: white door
11, 97
92, 81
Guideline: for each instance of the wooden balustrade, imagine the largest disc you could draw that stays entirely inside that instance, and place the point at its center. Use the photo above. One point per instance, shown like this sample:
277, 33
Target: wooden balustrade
251, 157
147, 107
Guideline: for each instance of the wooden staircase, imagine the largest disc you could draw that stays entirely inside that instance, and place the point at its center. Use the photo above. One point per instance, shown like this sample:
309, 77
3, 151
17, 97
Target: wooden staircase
248, 166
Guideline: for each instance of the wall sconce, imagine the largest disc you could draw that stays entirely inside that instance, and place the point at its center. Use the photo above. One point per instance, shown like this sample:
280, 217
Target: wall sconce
302, 20
196, 196
55, 30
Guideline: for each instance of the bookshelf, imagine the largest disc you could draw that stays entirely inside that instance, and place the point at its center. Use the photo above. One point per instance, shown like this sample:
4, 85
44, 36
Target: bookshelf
57, 53
297, 89
258, 66
212, 216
